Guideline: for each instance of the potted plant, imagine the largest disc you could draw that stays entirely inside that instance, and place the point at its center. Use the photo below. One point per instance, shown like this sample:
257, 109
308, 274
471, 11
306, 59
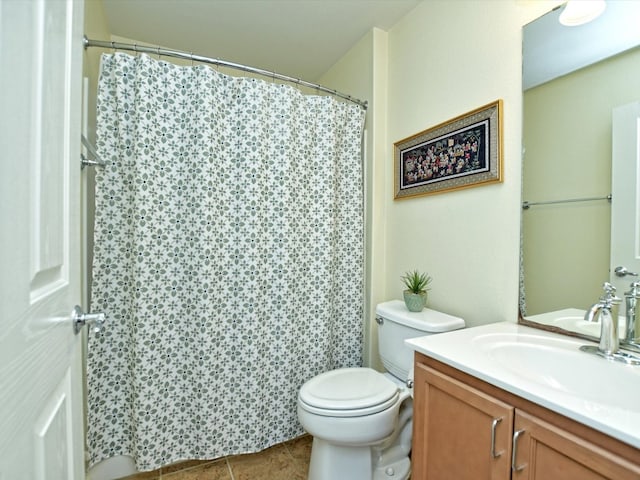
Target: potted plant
415, 296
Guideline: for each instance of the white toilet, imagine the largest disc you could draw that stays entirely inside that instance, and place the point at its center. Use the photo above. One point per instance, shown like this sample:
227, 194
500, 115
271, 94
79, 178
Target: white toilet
360, 419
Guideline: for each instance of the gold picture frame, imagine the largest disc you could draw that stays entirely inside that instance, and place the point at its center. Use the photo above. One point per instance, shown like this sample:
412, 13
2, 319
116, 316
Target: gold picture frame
463, 152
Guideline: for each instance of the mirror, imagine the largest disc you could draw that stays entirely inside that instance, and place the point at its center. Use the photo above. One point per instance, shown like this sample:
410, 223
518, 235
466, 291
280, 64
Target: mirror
573, 77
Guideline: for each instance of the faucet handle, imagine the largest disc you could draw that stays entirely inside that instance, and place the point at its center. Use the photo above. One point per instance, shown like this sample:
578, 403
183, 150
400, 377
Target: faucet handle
634, 291
609, 292
609, 289
609, 299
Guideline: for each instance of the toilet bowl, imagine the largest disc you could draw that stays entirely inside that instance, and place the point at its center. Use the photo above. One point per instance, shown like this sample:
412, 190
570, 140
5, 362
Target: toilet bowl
365, 414
346, 431
361, 419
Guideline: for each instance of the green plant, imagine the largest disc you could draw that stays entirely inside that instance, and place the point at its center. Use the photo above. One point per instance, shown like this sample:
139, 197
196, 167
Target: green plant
416, 282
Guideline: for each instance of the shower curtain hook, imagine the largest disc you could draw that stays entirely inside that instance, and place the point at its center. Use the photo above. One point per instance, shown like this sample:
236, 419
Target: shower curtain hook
191, 55
135, 49
113, 47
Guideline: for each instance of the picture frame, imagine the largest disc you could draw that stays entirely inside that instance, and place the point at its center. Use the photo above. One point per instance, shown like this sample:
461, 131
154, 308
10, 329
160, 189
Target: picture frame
463, 152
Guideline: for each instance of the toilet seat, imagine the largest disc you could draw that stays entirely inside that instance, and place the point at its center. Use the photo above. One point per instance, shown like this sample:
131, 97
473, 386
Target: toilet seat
348, 392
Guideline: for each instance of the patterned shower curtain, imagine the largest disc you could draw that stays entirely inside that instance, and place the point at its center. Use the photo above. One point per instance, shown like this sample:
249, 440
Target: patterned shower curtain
228, 259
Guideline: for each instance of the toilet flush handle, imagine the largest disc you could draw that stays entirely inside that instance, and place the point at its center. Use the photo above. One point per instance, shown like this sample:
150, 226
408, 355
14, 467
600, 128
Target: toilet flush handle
379, 320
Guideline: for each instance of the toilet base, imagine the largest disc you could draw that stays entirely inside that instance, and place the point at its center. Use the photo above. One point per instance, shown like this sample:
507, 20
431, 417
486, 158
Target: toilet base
338, 462
399, 470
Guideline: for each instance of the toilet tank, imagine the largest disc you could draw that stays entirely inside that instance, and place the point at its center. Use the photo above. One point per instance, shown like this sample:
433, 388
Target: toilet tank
396, 324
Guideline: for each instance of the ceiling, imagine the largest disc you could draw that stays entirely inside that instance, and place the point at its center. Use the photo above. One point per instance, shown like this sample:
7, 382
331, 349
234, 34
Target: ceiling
552, 50
298, 38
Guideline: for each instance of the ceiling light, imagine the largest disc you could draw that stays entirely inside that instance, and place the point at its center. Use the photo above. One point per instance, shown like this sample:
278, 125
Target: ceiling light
578, 12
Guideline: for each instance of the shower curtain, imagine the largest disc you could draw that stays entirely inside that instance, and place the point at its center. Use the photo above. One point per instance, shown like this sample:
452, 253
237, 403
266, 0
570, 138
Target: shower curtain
228, 258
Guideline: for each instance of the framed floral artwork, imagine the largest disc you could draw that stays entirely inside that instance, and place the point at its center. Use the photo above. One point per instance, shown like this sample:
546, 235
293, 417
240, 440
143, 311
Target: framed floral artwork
460, 153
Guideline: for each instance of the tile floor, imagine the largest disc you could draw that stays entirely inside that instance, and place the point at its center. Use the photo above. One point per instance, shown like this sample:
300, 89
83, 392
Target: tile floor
286, 461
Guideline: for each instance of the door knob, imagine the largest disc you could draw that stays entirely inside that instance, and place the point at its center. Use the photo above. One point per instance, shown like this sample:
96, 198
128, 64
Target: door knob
622, 271
80, 319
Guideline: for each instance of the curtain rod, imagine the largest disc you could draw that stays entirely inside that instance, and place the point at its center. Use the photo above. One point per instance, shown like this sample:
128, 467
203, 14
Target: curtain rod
214, 61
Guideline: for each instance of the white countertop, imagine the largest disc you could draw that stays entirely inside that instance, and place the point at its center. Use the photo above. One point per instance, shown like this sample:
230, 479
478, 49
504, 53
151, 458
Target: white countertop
462, 349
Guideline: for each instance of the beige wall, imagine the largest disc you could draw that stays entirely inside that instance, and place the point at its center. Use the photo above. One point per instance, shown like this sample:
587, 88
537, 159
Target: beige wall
567, 135
425, 72
468, 240
95, 27
443, 59
363, 74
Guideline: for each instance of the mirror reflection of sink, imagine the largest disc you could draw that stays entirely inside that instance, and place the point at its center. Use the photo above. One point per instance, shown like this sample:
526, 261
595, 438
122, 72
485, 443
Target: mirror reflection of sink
560, 365
572, 319
579, 325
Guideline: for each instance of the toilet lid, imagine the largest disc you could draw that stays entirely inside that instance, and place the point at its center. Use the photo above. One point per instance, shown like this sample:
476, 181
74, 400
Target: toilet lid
349, 389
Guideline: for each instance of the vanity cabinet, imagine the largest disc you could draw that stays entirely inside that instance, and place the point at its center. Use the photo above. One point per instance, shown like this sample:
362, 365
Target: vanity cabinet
466, 429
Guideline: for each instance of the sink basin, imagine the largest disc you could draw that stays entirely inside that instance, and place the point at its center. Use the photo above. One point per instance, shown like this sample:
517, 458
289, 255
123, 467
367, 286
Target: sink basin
558, 364
547, 369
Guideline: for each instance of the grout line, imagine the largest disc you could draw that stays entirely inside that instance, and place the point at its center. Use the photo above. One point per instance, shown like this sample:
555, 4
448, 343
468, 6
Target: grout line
297, 464
226, 459
288, 451
192, 467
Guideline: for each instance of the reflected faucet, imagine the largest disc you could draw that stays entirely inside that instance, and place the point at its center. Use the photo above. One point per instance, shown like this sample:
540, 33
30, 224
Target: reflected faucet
632, 314
605, 311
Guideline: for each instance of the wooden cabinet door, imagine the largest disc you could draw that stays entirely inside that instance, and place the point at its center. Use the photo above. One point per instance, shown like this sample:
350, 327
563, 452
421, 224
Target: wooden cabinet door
545, 452
453, 425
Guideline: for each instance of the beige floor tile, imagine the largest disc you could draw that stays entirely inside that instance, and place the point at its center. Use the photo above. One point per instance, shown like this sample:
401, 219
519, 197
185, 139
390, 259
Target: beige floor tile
287, 461
271, 464
300, 448
217, 470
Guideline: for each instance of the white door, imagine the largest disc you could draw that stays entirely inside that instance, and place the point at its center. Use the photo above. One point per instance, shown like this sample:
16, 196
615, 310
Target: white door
41, 387
625, 188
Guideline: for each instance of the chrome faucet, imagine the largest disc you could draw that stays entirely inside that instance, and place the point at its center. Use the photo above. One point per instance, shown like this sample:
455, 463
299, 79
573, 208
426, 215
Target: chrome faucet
590, 315
605, 311
632, 314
